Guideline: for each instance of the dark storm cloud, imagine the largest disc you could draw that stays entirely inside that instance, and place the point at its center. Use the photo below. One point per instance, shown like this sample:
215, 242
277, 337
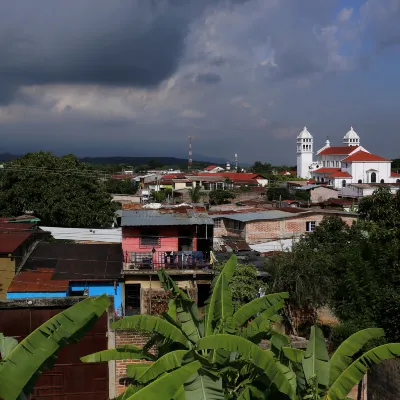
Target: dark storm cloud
126, 43
208, 78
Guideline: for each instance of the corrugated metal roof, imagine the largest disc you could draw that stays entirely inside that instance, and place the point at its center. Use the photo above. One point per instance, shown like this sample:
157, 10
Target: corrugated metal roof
155, 218
37, 281
253, 216
82, 234
10, 241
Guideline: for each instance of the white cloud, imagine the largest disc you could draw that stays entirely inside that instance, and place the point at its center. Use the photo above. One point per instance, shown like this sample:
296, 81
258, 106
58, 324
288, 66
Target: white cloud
345, 14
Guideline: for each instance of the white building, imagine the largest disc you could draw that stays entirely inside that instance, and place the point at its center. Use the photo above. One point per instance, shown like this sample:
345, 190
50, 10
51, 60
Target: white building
340, 165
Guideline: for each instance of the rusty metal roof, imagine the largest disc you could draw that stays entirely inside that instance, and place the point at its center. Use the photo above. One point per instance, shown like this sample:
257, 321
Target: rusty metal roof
11, 240
37, 281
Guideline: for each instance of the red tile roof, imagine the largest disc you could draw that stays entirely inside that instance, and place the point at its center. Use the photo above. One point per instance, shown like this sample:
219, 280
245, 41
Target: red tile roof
37, 281
11, 240
395, 175
361, 156
233, 176
326, 170
338, 150
210, 168
340, 174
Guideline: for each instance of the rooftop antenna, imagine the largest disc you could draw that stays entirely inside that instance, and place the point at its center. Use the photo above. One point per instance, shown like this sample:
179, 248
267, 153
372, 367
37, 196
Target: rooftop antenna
236, 161
190, 161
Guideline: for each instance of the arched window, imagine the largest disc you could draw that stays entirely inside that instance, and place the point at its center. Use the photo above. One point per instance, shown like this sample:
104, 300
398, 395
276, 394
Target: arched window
397, 180
360, 181
343, 183
382, 181
322, 180
373, 177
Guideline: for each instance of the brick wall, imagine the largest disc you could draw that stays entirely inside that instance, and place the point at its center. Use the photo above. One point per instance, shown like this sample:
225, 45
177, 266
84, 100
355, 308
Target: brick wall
384, 381
261, 231
122, 338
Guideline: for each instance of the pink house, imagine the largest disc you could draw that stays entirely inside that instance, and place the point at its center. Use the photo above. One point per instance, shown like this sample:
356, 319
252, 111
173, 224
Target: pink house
165, 239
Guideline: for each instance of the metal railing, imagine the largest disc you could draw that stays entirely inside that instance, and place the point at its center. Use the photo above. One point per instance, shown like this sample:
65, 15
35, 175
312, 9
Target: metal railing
166, 259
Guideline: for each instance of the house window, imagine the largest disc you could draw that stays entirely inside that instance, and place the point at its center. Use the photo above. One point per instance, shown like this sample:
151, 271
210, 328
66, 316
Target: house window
132, 299
79, 293
343, 183
397, 180
382, 181
218, 223
149, 238
373, 177
237, 225
310, 226
360, 181
189, 184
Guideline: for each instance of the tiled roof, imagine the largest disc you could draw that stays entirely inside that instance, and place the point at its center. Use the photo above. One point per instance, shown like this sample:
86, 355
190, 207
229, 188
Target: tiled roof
37, 281
340, 174
361, 156
210, 167
338, 150
233, 176
10, 241
395, 175
326, 170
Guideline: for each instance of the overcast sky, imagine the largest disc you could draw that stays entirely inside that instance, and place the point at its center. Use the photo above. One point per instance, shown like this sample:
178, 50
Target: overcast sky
137, 77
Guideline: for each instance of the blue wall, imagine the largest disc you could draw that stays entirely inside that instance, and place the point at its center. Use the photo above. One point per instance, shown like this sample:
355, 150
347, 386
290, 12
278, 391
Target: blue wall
95, 289
36, 295
99, 288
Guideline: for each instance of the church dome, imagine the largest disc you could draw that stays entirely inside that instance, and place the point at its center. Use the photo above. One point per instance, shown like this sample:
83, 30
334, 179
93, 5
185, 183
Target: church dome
351, 138
304, 134
351, 134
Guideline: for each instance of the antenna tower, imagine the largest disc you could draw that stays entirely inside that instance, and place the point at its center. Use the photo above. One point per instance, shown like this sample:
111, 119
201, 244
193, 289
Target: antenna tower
236, 161
190, 161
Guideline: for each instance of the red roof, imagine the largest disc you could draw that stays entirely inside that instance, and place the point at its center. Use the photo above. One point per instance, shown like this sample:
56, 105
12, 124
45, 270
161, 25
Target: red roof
338, 150
37, 281
326, 170
361, 156
11, 240
333, 172
395, 175
210, 168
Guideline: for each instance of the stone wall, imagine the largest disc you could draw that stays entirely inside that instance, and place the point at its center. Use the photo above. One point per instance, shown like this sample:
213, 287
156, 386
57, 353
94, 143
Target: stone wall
384, 381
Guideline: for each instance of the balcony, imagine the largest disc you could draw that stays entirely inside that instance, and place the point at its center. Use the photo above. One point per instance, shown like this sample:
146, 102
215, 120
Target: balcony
137, 262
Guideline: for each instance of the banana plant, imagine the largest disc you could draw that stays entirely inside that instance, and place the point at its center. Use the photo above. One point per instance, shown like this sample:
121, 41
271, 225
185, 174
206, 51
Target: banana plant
332, 378
177, 335
22, 363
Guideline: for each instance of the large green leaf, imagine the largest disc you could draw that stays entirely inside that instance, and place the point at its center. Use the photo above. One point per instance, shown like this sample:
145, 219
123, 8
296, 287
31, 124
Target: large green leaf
343, 355
166, 387
126, 352
204, 386
166, 363
220, 302
258, 305
134, 371
353, 374
129, 392
20, 369
293, 354
6, 345
316, 362
263, 359
150, 323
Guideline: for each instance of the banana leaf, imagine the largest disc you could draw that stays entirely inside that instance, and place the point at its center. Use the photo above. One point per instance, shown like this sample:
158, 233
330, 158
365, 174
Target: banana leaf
204, 386
38, 351
166, 363
257, 306
293, 354
263, 359
150, 323
6, 345
126, 352
129, 392
342, 357
220, 303
316, 364
353, 374
134, 371
167, 386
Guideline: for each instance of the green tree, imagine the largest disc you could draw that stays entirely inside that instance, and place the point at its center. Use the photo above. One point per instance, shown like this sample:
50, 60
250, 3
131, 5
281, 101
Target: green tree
196, 194
263, 169
23, 363
245, 284
178, 333
220, 196
121, 186
60, 191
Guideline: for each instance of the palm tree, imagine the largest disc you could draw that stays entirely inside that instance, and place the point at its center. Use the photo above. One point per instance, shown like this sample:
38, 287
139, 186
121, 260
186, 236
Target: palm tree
177, 335
196, 194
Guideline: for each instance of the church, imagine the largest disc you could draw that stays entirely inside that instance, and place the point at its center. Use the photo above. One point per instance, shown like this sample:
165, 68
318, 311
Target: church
338, 166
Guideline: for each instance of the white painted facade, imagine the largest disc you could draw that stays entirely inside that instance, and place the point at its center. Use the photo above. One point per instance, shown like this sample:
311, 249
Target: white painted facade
343, 165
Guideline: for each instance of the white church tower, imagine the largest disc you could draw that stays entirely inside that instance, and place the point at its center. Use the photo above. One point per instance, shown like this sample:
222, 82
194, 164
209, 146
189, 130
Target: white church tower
304, 153
351, 138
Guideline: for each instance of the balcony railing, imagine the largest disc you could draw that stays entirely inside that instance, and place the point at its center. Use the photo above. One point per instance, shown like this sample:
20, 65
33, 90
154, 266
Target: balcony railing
154, 260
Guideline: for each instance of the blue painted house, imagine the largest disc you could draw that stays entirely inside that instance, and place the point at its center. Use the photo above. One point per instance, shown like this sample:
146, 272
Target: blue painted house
60, 270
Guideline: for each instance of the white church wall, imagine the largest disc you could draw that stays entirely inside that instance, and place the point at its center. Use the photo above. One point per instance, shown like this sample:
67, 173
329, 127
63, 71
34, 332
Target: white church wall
362, 171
